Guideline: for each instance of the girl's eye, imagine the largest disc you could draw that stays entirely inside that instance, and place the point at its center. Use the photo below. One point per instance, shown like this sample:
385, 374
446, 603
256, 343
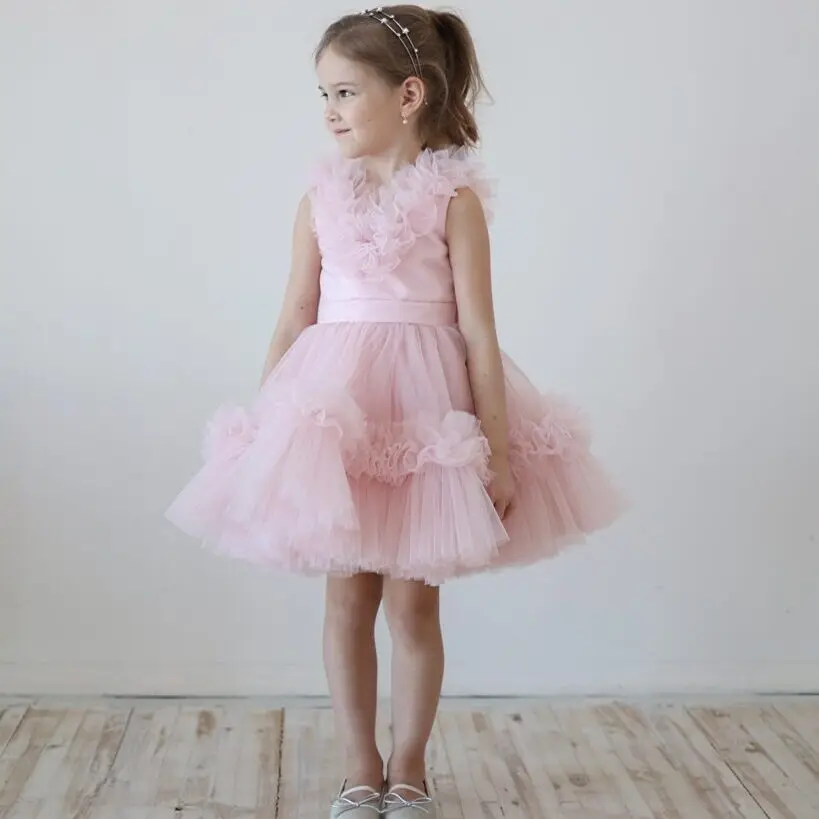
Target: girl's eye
344, 93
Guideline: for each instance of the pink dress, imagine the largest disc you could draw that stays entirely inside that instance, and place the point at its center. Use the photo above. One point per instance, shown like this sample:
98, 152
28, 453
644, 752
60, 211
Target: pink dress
361, 451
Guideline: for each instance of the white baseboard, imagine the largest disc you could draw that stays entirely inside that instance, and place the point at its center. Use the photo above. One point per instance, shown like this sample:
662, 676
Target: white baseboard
267, 680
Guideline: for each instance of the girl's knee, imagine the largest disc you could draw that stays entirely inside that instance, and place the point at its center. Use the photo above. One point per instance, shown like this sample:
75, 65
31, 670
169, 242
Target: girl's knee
353, 601
412, 609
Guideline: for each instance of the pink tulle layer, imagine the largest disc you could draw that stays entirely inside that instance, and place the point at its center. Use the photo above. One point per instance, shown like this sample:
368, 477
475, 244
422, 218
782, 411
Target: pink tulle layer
362, 453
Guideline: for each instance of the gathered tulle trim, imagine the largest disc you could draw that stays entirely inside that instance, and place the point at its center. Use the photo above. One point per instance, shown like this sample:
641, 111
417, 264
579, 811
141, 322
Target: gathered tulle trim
562, 432
405, 500
419, 483
390, 453
387, 453
374, 230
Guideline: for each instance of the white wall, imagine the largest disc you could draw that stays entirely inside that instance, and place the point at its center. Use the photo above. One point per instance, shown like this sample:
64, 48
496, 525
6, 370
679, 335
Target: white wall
656, 255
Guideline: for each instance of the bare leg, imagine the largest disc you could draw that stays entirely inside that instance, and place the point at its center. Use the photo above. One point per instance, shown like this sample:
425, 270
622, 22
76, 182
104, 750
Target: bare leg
351, 666
413, 615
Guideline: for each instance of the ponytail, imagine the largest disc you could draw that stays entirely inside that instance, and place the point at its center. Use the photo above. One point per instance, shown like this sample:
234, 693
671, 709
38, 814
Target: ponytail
453, 115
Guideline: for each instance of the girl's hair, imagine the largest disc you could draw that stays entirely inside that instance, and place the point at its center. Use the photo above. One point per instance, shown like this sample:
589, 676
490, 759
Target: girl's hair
446, 57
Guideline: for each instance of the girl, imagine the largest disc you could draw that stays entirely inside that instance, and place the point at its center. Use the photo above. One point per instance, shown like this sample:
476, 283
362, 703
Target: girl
392, 445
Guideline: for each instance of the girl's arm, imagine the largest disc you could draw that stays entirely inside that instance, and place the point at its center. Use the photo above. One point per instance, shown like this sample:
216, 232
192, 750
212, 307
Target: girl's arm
300, 306
468, 239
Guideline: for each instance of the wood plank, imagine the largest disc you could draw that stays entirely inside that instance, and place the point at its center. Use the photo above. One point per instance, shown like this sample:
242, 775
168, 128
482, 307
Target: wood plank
477, 798
22, 810
326, 782
803, 714
602, 748
442, 780
258, 775
221, 796
752, 764
67, 790
200, 775
23, 751
50, 771
73, 767
689, 794
568, 777
231, 769
600, 793
795, 761
720, 792
179, 789
125, 812
124, 777
520, 782
799, 729
11, 717
307, 788
526, 733
639, 760
172, 774
134, 779
90, 784
497, 752
272, 762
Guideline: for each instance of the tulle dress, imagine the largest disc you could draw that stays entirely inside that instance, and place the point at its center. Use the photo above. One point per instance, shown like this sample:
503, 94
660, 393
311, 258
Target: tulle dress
361, 452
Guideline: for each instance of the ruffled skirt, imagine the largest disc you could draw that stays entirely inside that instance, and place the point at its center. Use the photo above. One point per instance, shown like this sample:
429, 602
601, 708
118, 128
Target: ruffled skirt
361, 453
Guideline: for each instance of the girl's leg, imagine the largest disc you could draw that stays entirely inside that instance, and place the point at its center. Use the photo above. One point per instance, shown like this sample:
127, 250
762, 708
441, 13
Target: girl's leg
413, 615
350, 663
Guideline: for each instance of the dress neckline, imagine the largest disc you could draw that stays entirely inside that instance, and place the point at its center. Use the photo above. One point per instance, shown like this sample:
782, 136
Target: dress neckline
364, 184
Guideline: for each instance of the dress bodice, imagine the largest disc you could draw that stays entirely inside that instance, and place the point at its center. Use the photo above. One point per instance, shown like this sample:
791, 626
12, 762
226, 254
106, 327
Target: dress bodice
383, 249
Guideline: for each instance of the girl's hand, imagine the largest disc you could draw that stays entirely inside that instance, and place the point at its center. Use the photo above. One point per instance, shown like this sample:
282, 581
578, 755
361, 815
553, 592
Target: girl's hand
502, 487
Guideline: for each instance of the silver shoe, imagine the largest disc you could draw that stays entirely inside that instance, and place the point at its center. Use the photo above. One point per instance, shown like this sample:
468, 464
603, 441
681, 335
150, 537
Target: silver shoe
398, 806
368, 806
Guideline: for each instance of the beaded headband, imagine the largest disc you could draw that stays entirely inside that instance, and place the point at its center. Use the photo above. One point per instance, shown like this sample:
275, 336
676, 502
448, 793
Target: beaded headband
400, 31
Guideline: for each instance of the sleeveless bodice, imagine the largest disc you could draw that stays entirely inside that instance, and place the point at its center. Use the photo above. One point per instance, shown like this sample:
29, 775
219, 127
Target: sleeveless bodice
384, 252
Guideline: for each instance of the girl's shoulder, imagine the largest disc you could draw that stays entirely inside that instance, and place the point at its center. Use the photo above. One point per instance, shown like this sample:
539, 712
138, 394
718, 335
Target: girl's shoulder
447, 170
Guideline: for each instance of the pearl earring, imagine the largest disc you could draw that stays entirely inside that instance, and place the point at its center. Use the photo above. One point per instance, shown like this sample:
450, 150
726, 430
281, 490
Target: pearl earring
404, 120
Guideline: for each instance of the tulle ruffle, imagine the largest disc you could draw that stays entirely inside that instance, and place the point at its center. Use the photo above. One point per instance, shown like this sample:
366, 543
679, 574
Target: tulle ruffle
292, 484
387, 453
342, 466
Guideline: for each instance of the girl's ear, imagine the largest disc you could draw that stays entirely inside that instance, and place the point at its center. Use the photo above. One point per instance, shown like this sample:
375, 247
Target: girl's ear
412, 96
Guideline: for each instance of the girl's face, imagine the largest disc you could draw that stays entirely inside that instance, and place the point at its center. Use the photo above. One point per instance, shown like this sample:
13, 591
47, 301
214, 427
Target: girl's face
362, 112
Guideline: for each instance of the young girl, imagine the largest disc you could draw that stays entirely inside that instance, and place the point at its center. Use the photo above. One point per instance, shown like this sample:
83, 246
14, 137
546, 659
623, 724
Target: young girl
392, 445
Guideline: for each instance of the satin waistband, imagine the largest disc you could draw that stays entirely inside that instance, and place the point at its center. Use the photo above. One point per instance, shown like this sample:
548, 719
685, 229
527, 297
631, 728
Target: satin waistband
388, 311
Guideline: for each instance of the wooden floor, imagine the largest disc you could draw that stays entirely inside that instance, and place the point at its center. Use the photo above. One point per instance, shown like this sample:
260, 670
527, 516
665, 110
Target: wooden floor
245, 760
